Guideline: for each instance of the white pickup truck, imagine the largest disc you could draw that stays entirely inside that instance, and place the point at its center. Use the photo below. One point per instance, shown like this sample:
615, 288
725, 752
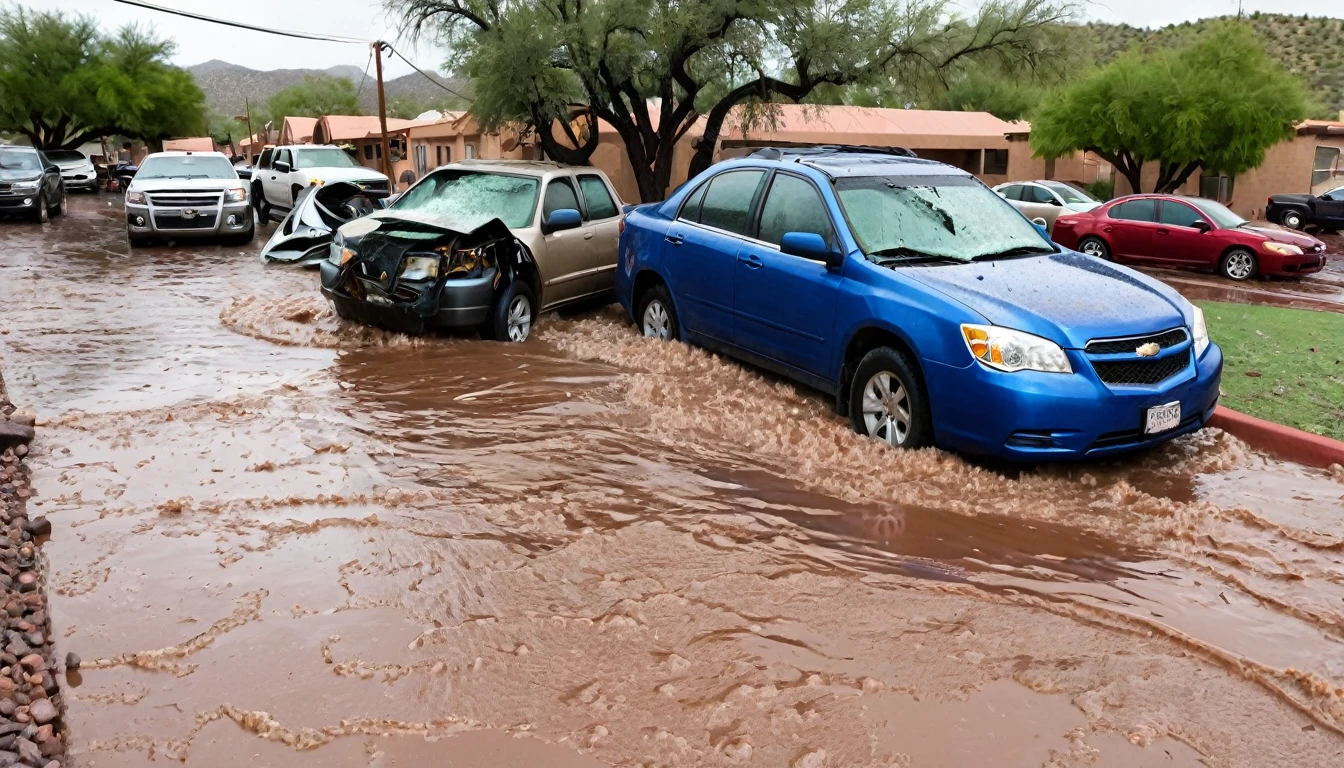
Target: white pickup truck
283, 172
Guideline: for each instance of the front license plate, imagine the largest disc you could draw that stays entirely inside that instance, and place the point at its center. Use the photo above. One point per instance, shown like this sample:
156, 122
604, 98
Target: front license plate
1162, 418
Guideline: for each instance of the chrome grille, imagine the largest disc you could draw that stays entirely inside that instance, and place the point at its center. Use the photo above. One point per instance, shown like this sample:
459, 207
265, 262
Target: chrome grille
171, 199
1127, 345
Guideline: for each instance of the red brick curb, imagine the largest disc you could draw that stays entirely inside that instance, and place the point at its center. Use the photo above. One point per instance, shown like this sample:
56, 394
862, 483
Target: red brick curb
1285, 442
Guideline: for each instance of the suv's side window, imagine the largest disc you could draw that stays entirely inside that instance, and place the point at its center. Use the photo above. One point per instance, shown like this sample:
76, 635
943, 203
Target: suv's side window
265, 162
1179, 215
1135, 210
559, 195
595, 194
729, 199
1336, 195
793, 205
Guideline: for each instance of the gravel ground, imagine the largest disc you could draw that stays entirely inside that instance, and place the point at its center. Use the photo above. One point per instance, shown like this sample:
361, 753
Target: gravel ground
31, 728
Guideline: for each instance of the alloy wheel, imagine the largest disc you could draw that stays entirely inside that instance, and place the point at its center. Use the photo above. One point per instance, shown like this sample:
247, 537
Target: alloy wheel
1240, 265
1094, 248
520, 318
886, 409
656, 323
1292, 221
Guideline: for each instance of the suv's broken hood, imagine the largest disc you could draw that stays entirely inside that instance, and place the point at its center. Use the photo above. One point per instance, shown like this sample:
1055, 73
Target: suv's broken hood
1066, 297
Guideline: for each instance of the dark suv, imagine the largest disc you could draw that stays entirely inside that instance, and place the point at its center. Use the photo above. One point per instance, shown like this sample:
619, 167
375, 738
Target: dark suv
30, 184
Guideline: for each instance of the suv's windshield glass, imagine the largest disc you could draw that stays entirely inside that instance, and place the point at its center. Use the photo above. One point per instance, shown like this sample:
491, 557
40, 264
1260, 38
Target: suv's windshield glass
186, 167
904, 218
323, 157
1070, 194
19, 160
1217, 212
470, 198
65, 156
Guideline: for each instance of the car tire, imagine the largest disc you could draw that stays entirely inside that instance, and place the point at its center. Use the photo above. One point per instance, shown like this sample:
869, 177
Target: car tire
1095, 246
1239, 264
656, 317
42, 213
61, 208
513, 313
263, 209
1293, 220
888, 402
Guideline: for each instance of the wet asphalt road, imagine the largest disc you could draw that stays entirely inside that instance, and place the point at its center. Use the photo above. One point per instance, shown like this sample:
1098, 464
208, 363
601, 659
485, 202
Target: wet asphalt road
283, 540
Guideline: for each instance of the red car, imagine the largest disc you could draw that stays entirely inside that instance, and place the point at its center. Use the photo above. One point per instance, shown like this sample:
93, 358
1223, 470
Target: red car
1187, 233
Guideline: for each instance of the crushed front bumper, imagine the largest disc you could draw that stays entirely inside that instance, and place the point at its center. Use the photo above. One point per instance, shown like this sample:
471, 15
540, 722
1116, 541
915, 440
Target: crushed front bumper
81, 180
409, 306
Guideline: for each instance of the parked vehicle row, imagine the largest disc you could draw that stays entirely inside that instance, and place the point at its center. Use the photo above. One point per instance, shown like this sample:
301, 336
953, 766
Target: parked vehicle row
1188, 233
30, 184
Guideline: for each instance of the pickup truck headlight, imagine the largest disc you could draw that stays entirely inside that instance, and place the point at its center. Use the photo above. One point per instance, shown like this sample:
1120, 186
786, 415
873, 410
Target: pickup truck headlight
420, 267
235, 194
1005, 349
136, 197
1200, 333
1282, 249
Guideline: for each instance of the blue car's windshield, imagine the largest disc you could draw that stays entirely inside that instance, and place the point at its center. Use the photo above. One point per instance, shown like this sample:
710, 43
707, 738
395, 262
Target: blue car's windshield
934, 218
468, 199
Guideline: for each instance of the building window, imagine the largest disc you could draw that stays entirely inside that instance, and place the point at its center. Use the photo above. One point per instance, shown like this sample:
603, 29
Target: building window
471, 151
1216, 187
438, 155
996, 162
1326, 166
368, 151
970, 161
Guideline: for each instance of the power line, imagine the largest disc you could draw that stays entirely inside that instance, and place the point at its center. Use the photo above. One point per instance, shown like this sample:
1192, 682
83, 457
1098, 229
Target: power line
425, 74
365, 78
240, 25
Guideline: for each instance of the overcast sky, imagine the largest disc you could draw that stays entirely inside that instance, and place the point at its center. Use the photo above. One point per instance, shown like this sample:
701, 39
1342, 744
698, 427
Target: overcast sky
199, 41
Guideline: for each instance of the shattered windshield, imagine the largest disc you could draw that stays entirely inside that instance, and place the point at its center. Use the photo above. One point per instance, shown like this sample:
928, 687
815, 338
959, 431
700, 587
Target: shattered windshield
19, 160
186, 167
468, 199
934, 218
322, 157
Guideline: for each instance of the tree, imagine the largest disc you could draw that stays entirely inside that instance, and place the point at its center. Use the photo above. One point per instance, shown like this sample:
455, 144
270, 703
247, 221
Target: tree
652, 69
999, 95
316, 96
1217, 103
63, 82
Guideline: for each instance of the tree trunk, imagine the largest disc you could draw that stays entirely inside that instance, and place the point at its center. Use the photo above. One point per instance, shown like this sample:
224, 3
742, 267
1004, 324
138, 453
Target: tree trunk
1176, 178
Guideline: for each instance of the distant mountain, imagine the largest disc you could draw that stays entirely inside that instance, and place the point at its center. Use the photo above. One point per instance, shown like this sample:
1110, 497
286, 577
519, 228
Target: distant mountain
1311, 47
227, 85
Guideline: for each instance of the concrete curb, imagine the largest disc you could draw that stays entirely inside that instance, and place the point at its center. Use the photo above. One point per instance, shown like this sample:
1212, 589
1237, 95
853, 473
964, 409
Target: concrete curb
1236, 294
1284, 442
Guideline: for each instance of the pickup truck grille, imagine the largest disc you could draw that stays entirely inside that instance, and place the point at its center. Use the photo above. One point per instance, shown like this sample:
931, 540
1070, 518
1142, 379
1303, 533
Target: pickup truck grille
171, 199
167, 221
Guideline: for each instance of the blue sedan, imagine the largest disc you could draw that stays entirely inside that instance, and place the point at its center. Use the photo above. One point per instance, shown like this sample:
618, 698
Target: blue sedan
934, 312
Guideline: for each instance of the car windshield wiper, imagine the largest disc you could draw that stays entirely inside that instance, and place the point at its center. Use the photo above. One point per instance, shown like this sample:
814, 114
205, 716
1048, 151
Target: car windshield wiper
903, 255
1012, 253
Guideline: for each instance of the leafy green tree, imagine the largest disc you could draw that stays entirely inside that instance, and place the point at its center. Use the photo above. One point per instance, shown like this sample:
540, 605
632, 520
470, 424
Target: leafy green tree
63, 82
652, 69
1217, 103
316, 96
1000, 95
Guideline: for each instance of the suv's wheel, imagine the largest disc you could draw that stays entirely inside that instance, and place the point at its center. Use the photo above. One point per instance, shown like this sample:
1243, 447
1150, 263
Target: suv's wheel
61, 208
512, 314
887, 400
1095, 246
42, 213
1293, 220
1239, 264
657, 317
263, 208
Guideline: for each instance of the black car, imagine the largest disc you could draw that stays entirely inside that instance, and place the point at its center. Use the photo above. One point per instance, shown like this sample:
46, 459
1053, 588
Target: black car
1298, 211
30, 184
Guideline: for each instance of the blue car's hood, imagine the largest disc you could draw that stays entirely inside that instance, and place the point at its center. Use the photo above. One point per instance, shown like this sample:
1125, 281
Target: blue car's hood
1066, 297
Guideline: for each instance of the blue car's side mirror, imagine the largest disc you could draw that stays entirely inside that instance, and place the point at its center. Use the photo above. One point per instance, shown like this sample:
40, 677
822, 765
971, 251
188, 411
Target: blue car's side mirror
1041, 228
809, 245
563, 218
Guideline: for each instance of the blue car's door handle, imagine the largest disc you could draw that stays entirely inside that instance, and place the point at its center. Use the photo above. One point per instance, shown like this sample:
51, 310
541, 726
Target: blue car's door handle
752, 261
675, 239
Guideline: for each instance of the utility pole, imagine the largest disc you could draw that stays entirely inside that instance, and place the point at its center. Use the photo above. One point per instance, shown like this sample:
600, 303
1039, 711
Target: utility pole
382, 115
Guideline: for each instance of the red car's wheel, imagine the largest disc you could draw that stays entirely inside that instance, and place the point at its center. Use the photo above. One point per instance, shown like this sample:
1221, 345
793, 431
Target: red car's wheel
1239, 264
1095, 246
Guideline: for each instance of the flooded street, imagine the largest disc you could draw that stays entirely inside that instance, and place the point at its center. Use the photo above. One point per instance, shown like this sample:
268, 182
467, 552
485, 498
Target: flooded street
284, 540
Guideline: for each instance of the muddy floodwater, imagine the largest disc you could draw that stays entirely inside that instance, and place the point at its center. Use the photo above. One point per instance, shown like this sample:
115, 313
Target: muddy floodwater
284, 540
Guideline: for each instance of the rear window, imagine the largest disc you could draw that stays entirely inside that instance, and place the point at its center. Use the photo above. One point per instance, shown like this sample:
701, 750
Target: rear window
1135, 210
186, 167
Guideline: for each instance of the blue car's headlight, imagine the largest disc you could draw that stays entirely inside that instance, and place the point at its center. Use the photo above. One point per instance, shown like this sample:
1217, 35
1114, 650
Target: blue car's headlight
1008, 350
1200, 332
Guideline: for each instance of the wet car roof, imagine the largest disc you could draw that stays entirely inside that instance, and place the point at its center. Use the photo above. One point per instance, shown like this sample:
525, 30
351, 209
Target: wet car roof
538, 167
837, 166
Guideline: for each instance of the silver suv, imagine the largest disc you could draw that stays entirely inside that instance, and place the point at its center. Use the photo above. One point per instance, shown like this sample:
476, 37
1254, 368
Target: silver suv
178, 195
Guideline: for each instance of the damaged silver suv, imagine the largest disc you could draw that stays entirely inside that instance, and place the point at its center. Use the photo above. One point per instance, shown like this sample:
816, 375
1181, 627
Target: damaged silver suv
177, 195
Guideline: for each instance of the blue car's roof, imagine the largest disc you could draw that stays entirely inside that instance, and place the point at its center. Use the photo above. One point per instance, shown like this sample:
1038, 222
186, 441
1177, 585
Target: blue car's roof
838, 162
